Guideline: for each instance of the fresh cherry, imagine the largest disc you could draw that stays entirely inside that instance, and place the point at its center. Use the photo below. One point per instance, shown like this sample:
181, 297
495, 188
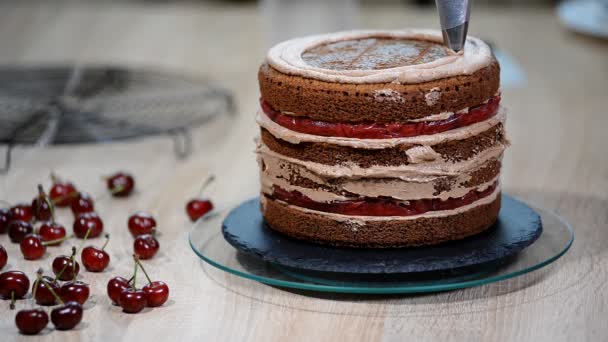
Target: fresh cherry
32, 321
141, 223
42, 207
13, 285
95, 259
18, 230
197, 208
67, 316
88, 222
52, 231
83, 203
62, 193
132, 300
157, 292
22, 212
32, 247
145, 246
3, 257
115, 287
74, 291
66, 267
5, 219
41, 292
120, 184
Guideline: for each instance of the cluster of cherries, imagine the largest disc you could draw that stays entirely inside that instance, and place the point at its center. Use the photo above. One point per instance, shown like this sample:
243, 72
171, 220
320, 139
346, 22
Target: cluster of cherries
131, 299
64, 289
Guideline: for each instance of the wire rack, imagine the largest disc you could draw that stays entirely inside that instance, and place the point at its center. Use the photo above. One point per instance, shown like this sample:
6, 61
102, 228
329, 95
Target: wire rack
92, 104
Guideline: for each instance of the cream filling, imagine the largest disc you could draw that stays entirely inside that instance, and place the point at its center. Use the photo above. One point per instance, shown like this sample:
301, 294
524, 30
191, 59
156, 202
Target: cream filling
411, 172
404, 191
280, 173
361, 220
461, 133
286, 57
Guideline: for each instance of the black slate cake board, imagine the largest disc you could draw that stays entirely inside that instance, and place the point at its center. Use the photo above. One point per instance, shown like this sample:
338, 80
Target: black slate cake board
517, 227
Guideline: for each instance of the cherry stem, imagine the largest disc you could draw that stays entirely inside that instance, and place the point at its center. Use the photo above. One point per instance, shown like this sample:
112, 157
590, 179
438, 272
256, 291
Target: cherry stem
61, 272
73, 258
48, 286
43, 197
208, 181
12, 306
106, 243
134, 285
142, 268
50, 242
86, 236
117, 189
72, 194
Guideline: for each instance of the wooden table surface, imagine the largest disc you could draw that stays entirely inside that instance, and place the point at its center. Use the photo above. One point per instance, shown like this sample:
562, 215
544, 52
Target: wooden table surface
558, 159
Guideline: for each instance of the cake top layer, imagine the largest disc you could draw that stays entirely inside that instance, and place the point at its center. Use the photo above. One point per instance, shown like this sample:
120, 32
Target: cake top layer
408, 56
373, 54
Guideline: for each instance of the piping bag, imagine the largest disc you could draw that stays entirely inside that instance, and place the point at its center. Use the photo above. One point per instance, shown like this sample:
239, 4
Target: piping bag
454, 17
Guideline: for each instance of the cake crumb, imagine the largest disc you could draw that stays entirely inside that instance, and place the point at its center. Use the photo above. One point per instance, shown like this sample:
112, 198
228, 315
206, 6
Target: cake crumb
389, 95
422, 154
433, 96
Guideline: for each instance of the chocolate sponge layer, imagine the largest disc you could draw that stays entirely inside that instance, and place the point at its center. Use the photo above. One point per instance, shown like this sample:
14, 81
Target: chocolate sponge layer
318, 228
380, 102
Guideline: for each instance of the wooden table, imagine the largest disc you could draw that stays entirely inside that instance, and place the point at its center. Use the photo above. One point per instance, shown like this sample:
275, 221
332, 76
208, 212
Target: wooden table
558, 159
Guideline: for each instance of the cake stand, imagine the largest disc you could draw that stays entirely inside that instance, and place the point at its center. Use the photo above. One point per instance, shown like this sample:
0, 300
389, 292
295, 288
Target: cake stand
235, 241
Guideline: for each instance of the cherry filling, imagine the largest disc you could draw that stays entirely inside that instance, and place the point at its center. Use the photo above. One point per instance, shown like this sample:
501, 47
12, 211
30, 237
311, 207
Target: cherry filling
380, 206
380, 130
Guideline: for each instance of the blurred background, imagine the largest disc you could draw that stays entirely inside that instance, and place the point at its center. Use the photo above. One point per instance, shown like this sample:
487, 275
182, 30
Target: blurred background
180, 76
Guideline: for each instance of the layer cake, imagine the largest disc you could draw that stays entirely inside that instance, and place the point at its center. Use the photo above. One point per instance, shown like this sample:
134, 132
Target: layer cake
380, 139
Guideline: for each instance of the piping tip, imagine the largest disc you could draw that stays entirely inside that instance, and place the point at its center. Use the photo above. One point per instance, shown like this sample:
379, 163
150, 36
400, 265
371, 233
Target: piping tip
455, 37
454, 18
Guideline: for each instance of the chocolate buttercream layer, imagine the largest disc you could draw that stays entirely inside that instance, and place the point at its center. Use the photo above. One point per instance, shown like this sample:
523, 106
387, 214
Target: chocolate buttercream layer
293, 177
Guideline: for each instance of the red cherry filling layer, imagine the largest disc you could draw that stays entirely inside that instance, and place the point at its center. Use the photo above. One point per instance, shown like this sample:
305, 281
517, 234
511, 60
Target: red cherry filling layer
380, 130
380, 206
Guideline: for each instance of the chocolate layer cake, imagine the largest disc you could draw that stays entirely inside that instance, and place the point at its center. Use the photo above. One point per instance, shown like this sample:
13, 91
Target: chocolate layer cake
380, 139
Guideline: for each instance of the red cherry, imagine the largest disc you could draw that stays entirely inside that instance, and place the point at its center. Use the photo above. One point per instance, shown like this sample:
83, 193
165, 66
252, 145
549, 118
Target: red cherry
157, 293
67, 316
13, 283
197, 208
17, 230
31, 322
132, 300
22, 212
62, 193
88, 221
3, 257
66, 267
95, 259
83, 203
41, 206
52, 231
74, 291
115, 287
32, 247
145, 246
5, 219
120, 184
141, 223
42, 294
